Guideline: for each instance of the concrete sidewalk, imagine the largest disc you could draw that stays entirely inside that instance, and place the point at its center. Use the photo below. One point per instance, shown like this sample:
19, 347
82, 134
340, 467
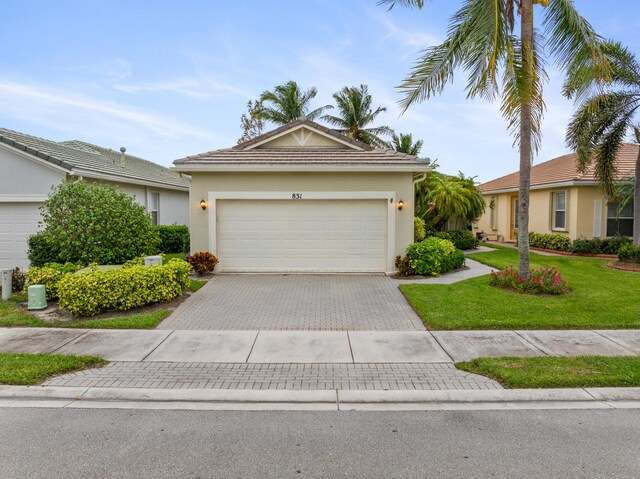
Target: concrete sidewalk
316, 346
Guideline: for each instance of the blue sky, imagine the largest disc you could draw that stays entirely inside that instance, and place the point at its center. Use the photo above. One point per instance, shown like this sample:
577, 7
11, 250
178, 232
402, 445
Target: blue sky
173, 79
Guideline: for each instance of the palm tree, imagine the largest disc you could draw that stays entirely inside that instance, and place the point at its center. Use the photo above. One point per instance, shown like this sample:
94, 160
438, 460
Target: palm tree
403, 143
603, 122
442, 198
287, 103
355, 113
502, 64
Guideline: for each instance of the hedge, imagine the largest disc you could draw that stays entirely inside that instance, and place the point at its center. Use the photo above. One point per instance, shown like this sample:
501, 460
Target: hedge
461, 239
173, 238
95, 291
50, 276
554, 241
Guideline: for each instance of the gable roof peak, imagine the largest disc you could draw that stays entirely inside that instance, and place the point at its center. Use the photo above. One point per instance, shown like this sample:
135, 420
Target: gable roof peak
296, 124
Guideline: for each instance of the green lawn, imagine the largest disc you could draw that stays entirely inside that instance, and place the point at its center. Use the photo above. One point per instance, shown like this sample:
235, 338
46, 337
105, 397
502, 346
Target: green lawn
196, 284
601, 298
556, 372
24, 369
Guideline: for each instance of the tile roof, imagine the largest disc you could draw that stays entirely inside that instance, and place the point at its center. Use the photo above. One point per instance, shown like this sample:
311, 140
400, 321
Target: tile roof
79, 155
564, 169
360, 155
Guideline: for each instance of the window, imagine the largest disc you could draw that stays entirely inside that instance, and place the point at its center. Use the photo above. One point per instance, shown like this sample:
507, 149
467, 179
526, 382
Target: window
559, 219
494, 214
154, 207
623, 224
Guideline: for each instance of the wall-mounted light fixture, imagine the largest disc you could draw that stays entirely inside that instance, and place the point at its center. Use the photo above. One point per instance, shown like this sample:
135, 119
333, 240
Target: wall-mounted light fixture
400, 205
203, 204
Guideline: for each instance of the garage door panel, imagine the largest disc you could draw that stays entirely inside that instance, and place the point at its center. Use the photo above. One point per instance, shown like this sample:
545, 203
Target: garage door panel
309, 235
18, 221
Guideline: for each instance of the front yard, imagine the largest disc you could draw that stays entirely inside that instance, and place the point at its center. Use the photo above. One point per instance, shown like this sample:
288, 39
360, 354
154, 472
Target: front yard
602, 298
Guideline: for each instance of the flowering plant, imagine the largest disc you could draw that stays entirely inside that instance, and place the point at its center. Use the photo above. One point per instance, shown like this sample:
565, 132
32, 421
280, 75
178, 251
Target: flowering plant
546, 280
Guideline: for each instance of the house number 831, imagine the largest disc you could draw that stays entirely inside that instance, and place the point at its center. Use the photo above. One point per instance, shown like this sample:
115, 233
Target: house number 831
296, 196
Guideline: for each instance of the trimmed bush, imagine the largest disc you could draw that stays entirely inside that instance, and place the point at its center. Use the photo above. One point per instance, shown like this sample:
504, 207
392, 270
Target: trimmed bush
95, 291
419, 229
612, 245
461, 239
86, 223
50, 276
173, 238
541, 281
434, 256
40, 250
553, 241
587, 246
630, 253
202, 262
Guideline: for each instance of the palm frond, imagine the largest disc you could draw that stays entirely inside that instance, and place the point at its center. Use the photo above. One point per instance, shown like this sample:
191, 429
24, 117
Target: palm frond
402, 3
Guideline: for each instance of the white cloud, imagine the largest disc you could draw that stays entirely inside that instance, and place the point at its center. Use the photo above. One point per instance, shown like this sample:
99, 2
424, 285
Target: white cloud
200, 88
50, 106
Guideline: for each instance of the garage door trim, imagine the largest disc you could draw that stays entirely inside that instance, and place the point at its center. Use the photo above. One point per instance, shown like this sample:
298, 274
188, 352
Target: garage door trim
389, 196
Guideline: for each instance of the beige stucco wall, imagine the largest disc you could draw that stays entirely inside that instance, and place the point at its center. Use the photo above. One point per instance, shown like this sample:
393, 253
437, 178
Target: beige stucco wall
581, 203
303, 136
400, 183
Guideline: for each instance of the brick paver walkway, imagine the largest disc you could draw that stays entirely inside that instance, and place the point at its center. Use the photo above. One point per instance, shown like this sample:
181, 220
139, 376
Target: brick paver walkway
377, 376
296, 302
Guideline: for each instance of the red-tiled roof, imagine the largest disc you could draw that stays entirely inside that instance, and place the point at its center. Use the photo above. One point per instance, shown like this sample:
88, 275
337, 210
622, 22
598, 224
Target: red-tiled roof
564, 169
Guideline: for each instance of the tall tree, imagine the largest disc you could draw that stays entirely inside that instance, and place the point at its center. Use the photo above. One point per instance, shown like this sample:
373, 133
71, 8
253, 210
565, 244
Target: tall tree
250, 122
604, 121
355, 113
501, 64
287, 103
403, 142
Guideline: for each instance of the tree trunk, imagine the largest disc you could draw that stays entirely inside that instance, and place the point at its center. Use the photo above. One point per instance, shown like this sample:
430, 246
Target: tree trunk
526, 34
636, 202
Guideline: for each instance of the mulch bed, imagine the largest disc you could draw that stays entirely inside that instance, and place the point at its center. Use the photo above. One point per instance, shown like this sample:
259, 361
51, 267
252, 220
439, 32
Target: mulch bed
624, 266
566, 253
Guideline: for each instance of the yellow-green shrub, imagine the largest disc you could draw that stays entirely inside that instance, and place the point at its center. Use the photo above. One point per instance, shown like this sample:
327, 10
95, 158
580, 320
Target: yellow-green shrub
94, 291
49, 275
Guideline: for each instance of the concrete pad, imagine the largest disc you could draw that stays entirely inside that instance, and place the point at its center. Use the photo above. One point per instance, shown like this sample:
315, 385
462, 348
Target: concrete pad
36, 340
41, 392
466, 345
205, 347
301, 347
629, 338
116, 345
396, 347
574, 343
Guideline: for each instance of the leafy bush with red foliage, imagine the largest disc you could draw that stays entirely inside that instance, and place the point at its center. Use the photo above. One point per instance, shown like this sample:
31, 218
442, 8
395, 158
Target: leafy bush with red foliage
546, 280
202, 262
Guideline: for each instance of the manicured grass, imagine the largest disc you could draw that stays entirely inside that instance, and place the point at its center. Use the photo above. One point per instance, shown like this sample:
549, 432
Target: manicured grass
169, 256
196, 284
558, 372
601, 298
24, 369
12, 316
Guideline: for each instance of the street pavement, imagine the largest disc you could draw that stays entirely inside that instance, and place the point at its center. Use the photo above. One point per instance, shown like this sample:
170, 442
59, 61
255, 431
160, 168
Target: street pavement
106, 444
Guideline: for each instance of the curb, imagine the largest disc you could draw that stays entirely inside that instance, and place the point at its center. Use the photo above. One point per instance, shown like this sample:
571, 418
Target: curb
335, 400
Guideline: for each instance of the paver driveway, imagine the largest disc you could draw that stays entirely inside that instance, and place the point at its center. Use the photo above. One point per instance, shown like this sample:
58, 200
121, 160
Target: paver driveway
297, 302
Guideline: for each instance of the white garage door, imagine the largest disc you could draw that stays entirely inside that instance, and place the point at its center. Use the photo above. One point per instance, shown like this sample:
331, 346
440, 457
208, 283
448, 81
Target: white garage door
17, 222
303, 236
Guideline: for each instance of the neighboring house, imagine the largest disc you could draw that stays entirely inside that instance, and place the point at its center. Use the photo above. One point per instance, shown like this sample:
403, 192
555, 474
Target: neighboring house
303, 198
31, 166
562, 201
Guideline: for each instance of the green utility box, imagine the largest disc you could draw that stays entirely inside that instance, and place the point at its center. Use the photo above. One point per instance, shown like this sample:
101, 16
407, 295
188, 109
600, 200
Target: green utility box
37, 297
